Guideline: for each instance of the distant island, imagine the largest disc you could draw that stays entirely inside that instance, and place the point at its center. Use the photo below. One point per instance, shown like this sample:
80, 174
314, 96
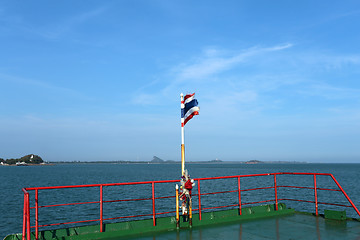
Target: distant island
253, 162
157, 160
30, 159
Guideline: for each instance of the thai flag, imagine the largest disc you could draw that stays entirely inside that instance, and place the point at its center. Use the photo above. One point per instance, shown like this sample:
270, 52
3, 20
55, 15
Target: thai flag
189, 108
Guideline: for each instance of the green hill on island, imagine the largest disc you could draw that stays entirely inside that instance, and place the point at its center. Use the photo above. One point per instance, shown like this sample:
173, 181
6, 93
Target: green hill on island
28, 159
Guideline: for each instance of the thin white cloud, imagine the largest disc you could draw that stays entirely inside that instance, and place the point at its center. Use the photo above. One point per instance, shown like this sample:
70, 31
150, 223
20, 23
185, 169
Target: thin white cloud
277, 48
201, 70
210, 63
214, 73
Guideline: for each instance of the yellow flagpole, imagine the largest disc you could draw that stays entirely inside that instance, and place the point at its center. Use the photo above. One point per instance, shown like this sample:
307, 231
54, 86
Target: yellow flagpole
182, 137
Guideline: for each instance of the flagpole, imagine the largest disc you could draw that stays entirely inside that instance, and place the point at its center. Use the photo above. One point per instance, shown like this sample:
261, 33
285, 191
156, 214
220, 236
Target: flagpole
182, 136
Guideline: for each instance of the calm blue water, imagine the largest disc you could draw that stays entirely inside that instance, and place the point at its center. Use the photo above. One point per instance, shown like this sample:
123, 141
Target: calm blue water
13, 179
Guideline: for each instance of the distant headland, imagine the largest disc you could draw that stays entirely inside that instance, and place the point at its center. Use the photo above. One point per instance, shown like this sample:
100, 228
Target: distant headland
30, 159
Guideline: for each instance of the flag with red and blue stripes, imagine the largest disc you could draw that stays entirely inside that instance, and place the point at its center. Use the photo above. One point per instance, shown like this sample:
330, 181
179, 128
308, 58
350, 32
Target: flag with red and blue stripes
189, 108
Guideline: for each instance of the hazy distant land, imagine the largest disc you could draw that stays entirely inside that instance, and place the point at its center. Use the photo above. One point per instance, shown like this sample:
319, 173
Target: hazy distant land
33, 159
157, 160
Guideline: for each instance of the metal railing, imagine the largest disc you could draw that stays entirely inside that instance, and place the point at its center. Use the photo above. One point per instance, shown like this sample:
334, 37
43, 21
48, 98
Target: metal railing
26, 231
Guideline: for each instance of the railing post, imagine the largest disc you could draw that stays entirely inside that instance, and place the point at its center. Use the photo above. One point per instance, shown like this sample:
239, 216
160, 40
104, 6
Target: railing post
24, 218
316, 198
36, 214
199, 195
28, 216
153, 202
276, 196
101, 208
239, 195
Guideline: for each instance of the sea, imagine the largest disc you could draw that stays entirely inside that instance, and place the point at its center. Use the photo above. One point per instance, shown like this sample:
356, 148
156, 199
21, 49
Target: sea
14, 178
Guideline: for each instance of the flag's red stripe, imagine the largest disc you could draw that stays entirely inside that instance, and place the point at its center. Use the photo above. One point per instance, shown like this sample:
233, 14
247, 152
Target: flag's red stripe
190, 117
188, 95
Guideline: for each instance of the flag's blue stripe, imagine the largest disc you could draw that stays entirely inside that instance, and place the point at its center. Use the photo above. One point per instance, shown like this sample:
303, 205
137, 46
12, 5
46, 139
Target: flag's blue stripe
188, 106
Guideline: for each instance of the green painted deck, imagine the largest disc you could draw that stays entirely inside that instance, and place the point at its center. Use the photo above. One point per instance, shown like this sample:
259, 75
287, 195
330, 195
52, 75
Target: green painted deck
296, 226
259, 222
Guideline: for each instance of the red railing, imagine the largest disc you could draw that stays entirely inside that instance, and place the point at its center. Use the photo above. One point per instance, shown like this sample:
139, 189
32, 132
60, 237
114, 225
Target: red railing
101, 202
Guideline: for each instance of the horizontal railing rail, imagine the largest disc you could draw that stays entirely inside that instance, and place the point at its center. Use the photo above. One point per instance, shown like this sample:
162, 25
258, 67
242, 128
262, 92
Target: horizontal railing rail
26, 231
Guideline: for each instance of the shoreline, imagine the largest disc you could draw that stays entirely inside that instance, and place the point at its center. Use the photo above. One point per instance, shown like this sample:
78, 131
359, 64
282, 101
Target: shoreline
28, 164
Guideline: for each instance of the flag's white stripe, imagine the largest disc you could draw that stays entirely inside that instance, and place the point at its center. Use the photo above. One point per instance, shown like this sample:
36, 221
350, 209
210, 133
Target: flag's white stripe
190, 111
182, 105
189, 99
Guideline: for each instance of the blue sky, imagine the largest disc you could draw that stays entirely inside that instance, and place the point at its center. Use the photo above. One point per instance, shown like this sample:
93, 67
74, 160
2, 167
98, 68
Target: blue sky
101, 80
